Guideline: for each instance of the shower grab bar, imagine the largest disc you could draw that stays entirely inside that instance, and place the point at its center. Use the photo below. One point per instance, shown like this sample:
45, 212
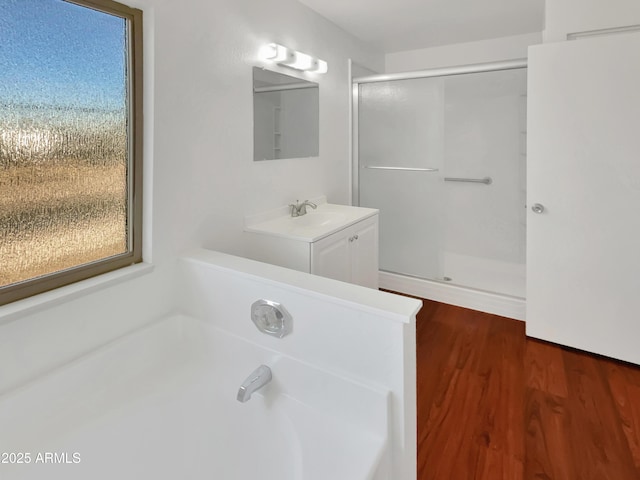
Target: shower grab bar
409, 169
485, 180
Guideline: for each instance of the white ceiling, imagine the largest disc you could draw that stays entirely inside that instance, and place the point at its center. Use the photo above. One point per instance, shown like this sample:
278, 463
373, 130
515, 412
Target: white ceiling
396, 25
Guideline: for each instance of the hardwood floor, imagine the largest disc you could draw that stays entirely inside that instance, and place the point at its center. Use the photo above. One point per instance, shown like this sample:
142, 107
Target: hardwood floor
493, 404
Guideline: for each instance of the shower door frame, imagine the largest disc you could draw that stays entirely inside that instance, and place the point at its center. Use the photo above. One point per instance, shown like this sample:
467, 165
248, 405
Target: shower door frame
388, 77
499, 304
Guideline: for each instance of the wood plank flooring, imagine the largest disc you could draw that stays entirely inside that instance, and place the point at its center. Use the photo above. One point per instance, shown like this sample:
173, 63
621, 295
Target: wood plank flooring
493, 404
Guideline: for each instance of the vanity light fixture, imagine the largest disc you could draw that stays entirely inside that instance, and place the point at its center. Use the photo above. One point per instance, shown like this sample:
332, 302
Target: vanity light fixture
293, 59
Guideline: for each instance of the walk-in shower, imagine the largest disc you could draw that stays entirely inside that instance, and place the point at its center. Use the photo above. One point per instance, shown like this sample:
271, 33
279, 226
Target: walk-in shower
442, 154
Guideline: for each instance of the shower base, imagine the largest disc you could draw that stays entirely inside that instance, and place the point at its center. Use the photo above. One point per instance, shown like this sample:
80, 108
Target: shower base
510, 306
505, 278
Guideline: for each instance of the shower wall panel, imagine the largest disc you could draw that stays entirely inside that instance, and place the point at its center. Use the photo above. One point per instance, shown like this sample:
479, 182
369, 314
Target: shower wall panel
485, 129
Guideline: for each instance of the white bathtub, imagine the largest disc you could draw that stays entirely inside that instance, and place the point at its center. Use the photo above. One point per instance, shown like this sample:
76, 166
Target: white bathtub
161, 404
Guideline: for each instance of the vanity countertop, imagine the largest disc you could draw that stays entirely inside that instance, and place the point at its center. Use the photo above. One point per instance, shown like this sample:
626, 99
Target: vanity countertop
318, 223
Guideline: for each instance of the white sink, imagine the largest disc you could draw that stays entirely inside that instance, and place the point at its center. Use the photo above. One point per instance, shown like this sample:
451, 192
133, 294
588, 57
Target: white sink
328, 218
313, 218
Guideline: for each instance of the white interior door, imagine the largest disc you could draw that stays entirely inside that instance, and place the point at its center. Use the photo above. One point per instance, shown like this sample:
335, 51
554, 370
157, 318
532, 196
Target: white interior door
583, 167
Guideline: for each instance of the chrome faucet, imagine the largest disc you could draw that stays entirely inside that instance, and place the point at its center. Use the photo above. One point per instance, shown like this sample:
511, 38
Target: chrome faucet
258, 379
300, 209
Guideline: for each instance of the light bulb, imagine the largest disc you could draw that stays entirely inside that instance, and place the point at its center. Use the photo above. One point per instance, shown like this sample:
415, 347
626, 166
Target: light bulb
292, 59
274, 52
301, 61
319, 66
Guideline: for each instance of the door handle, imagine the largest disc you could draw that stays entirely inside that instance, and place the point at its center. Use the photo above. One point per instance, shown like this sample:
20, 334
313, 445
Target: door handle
537, 208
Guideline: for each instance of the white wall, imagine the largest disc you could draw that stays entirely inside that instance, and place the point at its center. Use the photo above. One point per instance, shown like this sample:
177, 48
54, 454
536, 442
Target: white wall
504, 48
563, 17
200, 178
203, 87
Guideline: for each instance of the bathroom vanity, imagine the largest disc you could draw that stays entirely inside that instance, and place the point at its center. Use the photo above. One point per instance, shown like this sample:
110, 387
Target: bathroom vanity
334, 241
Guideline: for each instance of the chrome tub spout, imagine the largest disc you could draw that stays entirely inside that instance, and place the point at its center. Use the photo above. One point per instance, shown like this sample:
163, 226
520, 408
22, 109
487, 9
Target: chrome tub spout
258, 379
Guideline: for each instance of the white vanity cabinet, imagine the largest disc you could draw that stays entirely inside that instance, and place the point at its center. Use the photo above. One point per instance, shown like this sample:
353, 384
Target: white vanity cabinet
350, 255
334, 241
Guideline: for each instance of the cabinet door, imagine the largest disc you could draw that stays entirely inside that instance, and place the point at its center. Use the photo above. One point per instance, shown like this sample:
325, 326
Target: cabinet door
364, 253
583, 167
330, 257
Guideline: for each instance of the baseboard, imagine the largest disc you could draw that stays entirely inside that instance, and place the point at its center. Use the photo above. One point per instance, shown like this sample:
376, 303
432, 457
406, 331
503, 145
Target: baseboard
503, 305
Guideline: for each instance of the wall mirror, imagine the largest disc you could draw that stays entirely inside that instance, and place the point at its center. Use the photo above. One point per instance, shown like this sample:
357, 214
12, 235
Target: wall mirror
285, 116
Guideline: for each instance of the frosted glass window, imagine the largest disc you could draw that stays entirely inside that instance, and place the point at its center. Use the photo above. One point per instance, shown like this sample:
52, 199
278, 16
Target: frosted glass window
68, 142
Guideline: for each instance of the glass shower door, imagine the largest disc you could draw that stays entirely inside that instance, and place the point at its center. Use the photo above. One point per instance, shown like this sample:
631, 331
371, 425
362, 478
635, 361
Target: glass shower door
401, 151
443, 158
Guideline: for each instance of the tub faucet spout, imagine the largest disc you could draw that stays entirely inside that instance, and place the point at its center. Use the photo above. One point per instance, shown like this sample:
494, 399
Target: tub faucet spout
258, 379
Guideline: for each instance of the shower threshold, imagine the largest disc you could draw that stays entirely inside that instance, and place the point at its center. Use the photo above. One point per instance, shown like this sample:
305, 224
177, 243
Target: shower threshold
446, 292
